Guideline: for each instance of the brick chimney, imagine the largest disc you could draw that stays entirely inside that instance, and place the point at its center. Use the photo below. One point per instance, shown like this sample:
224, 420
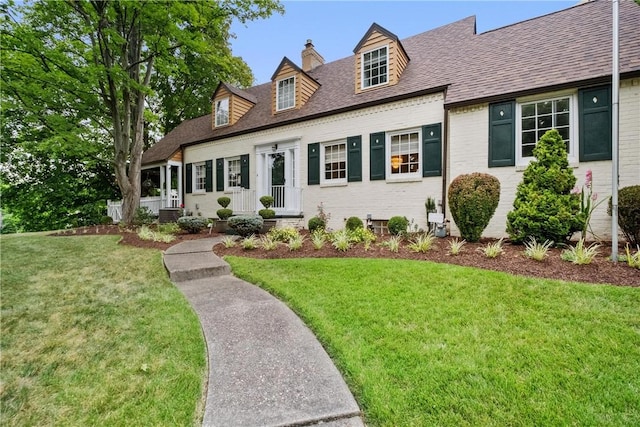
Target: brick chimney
310, 58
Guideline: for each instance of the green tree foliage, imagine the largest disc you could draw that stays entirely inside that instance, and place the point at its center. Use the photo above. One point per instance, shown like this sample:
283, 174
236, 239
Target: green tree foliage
629, 213
86, 72
473, 199
545, 208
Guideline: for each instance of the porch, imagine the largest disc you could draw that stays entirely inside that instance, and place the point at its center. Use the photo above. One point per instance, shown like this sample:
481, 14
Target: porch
287, 201
154, 204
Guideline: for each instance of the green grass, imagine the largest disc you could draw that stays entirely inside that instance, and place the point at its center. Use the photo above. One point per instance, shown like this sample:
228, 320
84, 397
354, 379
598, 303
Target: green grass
93, 333
430, 344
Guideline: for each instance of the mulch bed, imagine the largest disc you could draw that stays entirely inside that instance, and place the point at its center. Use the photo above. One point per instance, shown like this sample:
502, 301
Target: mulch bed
512, 260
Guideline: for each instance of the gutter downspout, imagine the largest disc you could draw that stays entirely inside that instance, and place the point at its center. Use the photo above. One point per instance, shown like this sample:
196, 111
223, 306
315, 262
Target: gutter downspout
445, 158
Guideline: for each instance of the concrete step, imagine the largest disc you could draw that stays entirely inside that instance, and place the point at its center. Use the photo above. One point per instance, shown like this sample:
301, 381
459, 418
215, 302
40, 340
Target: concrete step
196, 265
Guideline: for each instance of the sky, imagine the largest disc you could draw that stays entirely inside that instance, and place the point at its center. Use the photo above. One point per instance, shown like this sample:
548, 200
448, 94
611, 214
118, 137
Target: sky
336, 27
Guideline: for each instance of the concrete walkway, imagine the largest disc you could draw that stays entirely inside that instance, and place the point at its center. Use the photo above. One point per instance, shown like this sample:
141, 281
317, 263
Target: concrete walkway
266, 368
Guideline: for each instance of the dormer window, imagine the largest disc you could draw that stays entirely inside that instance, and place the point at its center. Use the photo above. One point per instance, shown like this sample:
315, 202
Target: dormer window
222, 112
286, 93
375, 67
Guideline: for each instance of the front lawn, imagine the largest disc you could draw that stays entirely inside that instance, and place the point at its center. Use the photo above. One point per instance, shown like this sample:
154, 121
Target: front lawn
421, 343
94, 333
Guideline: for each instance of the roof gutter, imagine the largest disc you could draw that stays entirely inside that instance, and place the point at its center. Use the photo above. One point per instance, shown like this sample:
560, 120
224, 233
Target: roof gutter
321, 115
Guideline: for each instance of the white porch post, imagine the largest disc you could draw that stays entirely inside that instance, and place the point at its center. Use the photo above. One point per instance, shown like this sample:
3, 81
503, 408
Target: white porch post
167, 185
163, 195
179, 171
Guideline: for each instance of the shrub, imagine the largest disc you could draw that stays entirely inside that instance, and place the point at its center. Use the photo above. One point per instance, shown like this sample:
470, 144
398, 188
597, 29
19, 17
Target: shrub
455, 246
422, 243
318, 239
632, 260
537, 251
192, 224
473, 199
145, 233
246, 225
169, 228
267, 201
316, 223
492, 250
229, 242
249, 243
580, 254
398, 225
224, 201
296, 243
393, 244
340, 240
544, 207
224, 214
143, 216
353, 223
106, 220
267, 213
629, 213
267, 243
361, 235
283, 234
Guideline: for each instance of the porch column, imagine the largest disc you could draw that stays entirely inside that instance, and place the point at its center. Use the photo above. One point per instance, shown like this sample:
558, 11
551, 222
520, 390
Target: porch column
167, 185
179, 172
163, 179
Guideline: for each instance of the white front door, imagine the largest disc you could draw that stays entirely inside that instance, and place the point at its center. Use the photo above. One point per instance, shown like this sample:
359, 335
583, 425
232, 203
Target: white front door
278, 177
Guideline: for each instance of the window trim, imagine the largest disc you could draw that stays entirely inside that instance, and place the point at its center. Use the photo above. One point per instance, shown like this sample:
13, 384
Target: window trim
323, 164
228, 160
217, 123
573, 124
278, 93
362, 78
197, 166
417, 175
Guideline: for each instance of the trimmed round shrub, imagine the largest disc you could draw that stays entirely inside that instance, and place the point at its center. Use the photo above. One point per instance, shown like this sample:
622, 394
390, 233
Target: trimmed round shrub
316, 223
473, 199
246, 225
398, 225
629, 213
106, 220
224, 213
224, 201
192, 224
353, 223
267, 213
267, 201
544, 207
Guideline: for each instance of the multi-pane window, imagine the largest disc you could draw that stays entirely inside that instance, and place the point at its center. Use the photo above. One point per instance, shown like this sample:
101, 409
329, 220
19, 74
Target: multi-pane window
405, 153
222, 112
335, 162
199, 177
538, 117
374, 67
233, 173
286, 96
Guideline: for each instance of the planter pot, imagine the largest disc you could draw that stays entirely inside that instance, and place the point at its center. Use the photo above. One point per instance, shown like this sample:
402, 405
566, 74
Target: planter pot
268, 225
221, 226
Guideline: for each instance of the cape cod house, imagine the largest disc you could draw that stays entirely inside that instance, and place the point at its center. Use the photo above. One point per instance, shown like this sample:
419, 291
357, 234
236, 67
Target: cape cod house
374, 134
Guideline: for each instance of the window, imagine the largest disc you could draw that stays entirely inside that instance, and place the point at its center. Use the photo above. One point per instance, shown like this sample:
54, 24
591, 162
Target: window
234, 175
199, 177
286, 96
335, 162
404, 154
222, 112
374, 67
536, 118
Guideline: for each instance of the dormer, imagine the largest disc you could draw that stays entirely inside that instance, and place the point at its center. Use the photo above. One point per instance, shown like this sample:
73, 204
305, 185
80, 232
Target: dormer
229, 105
291, 87
380, 59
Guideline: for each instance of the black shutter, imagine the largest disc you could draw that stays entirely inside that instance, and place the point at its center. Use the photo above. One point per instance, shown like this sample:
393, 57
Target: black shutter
432, 150
502, 134
313, 164
377, 156
354, 158
595, 123
244, 171
188, 178
219, 174
208, 178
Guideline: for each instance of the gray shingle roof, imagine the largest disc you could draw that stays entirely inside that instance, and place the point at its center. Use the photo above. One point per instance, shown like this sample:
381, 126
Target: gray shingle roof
561, 48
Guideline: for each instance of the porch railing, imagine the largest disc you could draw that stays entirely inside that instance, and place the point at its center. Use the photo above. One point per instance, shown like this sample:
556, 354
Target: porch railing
114, 207
243, 201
